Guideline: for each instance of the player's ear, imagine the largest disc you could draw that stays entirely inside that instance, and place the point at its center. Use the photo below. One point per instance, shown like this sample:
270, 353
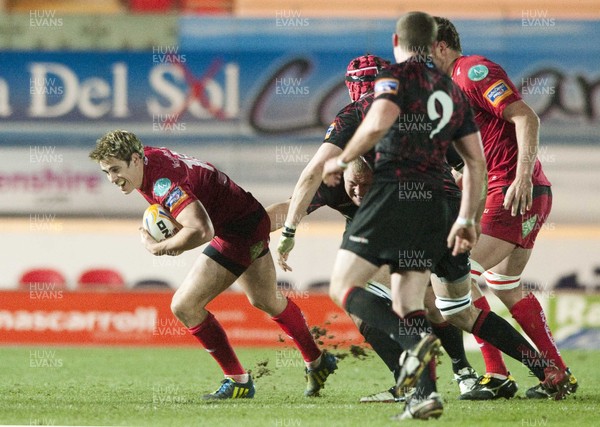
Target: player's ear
135, 159
395, 39
440, 46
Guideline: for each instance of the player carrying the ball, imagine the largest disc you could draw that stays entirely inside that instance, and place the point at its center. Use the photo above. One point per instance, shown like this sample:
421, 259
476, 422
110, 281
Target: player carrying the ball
212, 209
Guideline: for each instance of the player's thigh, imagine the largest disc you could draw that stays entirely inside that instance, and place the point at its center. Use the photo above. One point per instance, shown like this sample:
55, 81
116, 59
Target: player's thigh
452, 290
514, 263
489, 251
202, 284
349, 270
259, 282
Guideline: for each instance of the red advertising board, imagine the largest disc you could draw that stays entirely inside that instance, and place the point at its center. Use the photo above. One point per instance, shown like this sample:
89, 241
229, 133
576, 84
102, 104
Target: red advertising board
145, 319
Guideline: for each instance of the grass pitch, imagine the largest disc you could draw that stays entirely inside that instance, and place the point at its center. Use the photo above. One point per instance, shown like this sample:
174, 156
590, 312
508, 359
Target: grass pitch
158, 386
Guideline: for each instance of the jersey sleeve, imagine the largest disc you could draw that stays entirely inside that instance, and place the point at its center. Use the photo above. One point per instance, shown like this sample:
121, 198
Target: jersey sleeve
343, 127
171, 189
178, 198
387, 86
488, 87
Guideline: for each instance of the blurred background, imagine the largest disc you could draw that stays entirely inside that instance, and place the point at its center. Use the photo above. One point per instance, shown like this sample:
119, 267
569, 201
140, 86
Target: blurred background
251, 86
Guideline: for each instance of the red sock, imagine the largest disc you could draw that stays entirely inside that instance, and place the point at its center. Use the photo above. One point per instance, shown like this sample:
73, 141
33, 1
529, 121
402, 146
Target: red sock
494, 363
212, 336
292, 321
529, 314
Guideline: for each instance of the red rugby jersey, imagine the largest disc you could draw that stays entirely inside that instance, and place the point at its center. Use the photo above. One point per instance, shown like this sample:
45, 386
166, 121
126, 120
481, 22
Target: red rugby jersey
489, 91
175, 180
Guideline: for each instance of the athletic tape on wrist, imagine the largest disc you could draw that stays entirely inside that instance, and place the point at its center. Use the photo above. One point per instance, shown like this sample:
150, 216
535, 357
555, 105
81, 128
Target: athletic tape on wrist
289, 230
464, 221
341, 163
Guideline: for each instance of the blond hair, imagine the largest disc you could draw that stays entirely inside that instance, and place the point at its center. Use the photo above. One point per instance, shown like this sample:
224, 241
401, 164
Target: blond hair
119, 144
360, 166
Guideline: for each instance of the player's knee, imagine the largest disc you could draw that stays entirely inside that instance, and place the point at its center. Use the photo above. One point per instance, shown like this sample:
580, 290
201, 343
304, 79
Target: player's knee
184, 309
501, 282
271, 304
476, 269
335, 295
337, 290
456, 310
179, 307
259, 303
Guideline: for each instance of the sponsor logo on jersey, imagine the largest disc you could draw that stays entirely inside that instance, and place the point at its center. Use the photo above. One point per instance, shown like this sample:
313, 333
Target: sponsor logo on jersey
386, 85
175, 198
478, 72
528, 225
162, 186
328, 133
497, 92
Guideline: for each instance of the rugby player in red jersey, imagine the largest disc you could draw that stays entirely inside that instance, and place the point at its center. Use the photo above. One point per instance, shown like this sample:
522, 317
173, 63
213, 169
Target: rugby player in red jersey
212, 209
518, 203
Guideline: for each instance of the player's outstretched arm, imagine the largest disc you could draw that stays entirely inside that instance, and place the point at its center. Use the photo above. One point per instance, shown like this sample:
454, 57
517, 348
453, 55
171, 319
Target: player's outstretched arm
519, 196
197, 229
305, 190
463, 236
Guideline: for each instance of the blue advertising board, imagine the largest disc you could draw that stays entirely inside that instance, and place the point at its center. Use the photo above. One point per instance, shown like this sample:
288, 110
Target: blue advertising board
251, 80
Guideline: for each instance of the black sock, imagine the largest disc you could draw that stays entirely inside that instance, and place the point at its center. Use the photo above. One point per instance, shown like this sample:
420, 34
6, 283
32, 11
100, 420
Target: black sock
374, 311
386, 348
498, 332
452, 341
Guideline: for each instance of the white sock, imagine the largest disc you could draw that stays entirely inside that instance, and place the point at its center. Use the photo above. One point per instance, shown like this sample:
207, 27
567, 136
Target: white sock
314, 363
242, 378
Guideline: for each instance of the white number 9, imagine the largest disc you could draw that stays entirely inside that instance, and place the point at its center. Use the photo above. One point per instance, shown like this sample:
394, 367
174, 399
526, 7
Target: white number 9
447, 109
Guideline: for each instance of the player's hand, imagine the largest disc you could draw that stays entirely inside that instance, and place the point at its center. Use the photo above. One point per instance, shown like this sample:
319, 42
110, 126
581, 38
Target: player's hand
519, 196
286, 244
332, 173
462, 238
149, 242
458, 178
153, 246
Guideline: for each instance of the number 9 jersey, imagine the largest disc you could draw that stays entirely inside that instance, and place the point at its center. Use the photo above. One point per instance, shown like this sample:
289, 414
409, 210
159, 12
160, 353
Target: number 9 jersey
433, 113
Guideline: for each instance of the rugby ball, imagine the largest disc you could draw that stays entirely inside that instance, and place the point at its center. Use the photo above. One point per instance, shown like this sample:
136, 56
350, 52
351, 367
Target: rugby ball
159, 223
